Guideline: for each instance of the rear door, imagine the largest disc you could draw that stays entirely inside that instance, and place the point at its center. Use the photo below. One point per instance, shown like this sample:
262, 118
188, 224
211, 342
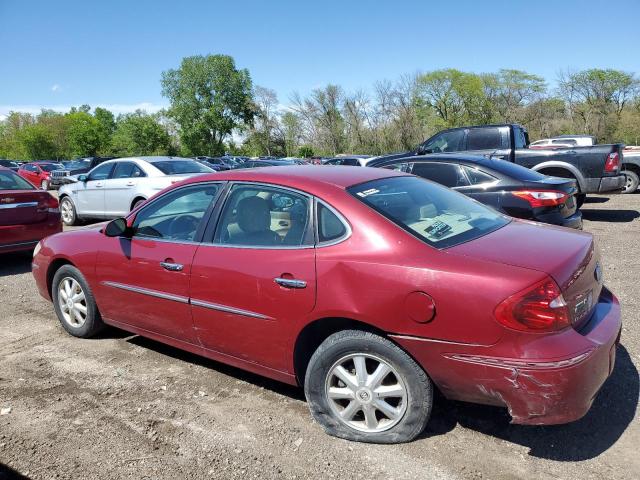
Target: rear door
120, 187
90, 194
255, 278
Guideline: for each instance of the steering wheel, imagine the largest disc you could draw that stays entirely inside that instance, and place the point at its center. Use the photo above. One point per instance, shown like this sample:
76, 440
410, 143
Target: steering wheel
183, 227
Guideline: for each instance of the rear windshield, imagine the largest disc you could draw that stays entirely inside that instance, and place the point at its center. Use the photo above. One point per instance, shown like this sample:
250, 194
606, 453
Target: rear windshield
50, 167
178, 167
436, 215
517, 172
12, 181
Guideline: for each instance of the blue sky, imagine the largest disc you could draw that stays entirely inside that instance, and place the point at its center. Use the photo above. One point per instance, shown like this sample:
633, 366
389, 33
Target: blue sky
62, 53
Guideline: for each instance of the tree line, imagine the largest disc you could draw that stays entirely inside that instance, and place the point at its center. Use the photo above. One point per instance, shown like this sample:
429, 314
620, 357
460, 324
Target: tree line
214, 107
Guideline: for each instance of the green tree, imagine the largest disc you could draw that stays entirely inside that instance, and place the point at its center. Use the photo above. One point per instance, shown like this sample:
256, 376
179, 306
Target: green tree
37, 143
107, 127
209, 98
140, 134
305, 151
84, 134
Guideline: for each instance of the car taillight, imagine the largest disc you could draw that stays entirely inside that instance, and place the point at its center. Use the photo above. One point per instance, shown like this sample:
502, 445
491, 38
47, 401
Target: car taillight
542, 198
537, 309
49, 204
613, 163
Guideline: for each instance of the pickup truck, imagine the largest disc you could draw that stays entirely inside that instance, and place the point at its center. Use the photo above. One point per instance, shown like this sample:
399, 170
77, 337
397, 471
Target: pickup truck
596, 169
631, 169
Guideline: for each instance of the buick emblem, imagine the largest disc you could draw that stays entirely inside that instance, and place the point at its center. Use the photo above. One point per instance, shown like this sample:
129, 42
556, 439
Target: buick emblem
598, 273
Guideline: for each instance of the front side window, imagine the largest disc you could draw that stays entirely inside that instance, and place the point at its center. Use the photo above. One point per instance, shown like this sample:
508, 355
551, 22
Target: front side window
102, 172
263, 216
179, 167
127, 170
176, 215
447, 174
445, 142
12, 181
436, 215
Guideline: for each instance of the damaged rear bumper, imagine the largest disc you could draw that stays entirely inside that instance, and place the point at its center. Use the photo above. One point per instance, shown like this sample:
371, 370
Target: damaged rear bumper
542, 380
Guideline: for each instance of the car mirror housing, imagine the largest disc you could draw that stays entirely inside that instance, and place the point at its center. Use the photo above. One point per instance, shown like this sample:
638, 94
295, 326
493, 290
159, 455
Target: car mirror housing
82, 178
117, 228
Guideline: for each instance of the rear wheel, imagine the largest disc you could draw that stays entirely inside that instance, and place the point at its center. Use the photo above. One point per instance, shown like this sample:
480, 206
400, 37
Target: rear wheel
44, 185
74, 303
68, 211
137, 203
362, 387
632, 181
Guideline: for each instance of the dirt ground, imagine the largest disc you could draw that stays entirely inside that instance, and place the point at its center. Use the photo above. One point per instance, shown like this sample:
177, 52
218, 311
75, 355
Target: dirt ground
125, 407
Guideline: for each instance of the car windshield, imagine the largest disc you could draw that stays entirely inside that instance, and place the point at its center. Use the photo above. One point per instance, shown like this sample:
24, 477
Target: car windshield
11, 181
77, 164
178, 167
436, 215
50, 167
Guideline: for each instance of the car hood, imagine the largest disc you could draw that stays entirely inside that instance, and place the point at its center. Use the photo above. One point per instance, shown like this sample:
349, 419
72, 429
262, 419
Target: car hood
557, 251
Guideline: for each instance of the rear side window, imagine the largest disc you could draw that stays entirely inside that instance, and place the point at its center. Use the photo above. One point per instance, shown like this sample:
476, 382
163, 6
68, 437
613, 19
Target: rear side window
330, 227
477, 176
178, 167
127, 170
484, 139
436, 215
447, 174
12, 181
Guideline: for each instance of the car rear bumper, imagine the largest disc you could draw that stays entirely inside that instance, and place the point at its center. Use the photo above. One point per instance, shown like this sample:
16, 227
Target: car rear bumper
537, 391
572, 221
16, 238
605, 184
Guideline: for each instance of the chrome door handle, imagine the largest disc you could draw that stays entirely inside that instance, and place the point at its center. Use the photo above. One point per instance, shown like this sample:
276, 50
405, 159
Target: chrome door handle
290, 282
130, 184
172, 267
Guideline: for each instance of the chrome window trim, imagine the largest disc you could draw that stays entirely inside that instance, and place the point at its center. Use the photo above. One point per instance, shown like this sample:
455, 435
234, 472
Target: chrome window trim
7, 245
310, 199
342, 219
226, 309
146, 291
18, 205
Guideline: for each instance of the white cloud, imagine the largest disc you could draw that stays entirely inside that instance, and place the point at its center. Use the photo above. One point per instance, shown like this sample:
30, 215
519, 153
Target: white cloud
56, 88
116, 108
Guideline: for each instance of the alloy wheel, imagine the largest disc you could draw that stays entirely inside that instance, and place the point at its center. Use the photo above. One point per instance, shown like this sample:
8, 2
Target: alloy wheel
72, 302
366, 393
66, 210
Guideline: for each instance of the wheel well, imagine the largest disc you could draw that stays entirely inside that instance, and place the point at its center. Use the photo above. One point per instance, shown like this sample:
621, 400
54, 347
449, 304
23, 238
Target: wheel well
133, 203
559, 172
632, 167
53, 268
317, 332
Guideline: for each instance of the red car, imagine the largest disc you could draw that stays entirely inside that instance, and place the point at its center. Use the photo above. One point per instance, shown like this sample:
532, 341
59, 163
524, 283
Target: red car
368, 287
39, 173
27, 215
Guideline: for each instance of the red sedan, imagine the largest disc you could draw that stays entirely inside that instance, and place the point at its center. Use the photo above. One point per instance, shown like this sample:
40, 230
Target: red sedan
39, 173
366, 286
27, 215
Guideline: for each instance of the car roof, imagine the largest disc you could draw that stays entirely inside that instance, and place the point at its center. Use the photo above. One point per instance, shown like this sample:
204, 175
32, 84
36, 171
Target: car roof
310, 178
152, 159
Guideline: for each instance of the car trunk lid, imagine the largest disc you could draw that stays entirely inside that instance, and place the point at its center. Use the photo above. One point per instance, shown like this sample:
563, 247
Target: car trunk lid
23, 207
568, 256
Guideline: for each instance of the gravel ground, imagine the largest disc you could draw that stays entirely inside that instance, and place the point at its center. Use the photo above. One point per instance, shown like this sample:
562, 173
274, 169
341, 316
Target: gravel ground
126, 407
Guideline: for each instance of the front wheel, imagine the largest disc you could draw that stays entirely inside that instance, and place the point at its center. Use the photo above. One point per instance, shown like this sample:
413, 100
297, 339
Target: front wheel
362, 387
68, 212
632, 181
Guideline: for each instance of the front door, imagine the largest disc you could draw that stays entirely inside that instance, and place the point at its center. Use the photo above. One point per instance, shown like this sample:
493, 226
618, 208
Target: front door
120, 187
257, 277
90, 194
144, 280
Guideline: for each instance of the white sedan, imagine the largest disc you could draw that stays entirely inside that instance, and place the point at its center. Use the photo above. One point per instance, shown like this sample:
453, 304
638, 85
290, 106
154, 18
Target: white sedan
114, 188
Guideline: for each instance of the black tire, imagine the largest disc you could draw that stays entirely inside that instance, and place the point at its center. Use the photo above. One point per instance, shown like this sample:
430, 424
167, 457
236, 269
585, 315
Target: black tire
416, 383
70, 218
92, 323
137, 203
632, 181
44, 185
580, 198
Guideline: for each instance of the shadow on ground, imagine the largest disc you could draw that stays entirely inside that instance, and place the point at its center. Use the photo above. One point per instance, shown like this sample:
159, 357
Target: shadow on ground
615, 216
8, 473
612, 411
14, 264
596, 200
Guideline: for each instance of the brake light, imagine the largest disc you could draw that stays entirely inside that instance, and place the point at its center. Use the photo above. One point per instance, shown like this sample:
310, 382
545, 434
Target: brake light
542, 198
613, 162
537, 309
49, 204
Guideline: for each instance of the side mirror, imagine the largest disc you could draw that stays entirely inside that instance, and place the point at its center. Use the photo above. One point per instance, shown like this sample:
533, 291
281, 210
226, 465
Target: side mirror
117, 228
83, 178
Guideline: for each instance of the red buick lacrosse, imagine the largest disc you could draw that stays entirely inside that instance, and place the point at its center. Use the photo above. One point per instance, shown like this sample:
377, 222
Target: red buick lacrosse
368, 287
